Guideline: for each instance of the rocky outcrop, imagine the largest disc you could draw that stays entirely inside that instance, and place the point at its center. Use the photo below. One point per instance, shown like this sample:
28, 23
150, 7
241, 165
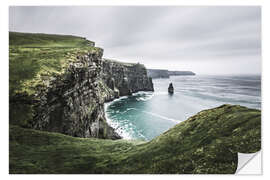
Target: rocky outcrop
170, 89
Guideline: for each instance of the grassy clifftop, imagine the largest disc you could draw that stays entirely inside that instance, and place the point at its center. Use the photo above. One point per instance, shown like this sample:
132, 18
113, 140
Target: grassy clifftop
205, 143
122, 63
35, 58
46, 40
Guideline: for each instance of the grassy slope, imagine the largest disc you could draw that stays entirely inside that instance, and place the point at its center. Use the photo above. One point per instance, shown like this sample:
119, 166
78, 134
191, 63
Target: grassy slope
34, 58
205, 143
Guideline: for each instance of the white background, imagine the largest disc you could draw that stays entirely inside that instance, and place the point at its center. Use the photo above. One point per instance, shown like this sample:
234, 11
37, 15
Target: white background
265, 83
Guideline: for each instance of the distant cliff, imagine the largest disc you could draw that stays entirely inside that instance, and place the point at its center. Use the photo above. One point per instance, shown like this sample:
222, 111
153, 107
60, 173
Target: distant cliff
60, 84
181, 73
158, 73
163, 73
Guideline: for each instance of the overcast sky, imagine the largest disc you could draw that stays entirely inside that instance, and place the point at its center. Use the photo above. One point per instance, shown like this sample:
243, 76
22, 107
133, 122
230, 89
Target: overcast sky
206, 40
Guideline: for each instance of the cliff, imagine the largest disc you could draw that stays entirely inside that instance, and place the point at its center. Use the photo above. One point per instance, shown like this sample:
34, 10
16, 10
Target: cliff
206, 143
181, 73
125, 78
158, 73
162, 73
60, 83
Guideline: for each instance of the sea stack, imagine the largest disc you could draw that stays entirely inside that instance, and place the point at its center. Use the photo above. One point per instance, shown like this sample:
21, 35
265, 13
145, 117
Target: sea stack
170, 89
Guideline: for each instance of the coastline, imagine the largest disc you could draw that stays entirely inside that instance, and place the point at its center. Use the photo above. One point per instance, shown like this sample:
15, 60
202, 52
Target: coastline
134, 118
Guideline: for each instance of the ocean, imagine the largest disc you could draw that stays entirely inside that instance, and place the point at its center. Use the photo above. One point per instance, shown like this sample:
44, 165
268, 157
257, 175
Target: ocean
145, 115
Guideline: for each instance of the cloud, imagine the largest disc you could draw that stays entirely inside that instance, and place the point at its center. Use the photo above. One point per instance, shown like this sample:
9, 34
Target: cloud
158, 36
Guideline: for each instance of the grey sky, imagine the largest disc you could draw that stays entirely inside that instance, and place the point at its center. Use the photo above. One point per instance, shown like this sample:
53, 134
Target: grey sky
206, 40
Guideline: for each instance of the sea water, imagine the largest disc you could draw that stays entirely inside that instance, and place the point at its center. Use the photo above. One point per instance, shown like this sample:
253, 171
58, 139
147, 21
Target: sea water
145, 115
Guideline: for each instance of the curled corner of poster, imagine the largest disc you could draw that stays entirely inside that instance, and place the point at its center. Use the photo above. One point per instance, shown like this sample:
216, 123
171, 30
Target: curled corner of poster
249, 164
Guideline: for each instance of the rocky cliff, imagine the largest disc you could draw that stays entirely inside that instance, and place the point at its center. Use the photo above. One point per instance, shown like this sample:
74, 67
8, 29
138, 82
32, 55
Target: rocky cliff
73, 103
124, 78
63, 89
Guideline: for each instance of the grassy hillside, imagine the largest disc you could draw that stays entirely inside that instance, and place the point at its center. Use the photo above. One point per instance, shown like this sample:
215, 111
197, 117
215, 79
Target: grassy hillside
34, 58
205, 143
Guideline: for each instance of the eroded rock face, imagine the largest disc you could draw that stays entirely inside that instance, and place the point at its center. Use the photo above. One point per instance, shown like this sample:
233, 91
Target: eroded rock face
125, 79
72, 104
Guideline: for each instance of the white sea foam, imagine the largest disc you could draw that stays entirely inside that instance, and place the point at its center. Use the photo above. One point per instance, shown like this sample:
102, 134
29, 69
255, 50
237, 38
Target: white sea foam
123, 132
128, 109
145, 98
143, 95
160, 116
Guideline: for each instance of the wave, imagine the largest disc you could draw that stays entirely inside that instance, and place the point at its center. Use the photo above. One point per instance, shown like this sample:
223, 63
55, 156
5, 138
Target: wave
145, 98
160, 116
143, 93
118, 128
125, 129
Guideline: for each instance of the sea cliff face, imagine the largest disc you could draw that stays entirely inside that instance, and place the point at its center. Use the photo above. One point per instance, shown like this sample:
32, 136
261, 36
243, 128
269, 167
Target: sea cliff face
72, 104
70, 99
125, 78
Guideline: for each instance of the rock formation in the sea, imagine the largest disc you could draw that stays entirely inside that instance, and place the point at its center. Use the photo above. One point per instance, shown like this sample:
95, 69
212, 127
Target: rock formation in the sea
170, 89
206, 143
162, 73
63, 88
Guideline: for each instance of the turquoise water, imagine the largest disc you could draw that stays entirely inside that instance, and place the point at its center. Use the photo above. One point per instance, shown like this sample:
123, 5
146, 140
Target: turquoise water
145, 115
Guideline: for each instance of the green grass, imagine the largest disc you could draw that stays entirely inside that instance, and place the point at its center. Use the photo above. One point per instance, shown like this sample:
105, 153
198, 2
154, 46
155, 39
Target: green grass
122, 63
35, 58
46, 40
205, 143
